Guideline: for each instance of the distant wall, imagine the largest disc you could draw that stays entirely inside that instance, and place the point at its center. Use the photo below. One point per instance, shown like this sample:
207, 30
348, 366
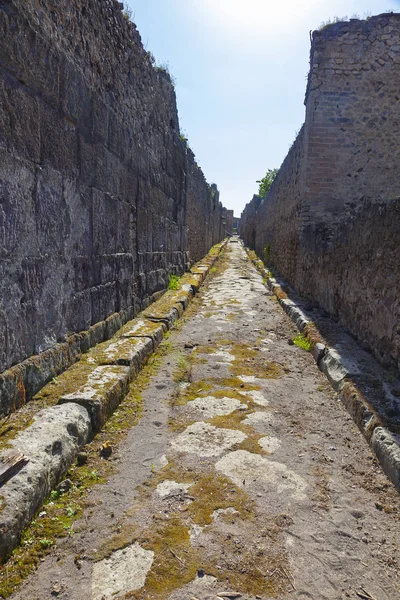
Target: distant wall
332, 216
204, 211
100, 199
229, 220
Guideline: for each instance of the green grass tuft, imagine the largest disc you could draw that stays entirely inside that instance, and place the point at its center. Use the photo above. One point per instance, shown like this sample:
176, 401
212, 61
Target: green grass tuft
302, 342
173, 282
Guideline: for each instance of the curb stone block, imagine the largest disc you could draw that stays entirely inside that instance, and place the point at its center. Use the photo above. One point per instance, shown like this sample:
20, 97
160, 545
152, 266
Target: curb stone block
127, 351
187, 289
318, 351
363, 415
295, 313
51, 443
180, 308
97, 333
337, 368
144, 328
12, 390
386, 446
200, 272
170, 307
331, 366
166, 316
191, 279
106, 386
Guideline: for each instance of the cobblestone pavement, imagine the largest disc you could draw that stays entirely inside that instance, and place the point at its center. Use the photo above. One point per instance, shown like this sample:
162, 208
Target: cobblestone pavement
245, 477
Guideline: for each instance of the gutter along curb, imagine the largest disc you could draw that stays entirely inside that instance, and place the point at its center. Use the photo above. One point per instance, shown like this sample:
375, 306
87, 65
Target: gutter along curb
384, 442
98, 383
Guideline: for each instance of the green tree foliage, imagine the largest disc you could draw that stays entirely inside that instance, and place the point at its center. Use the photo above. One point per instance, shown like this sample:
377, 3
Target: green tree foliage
265, 182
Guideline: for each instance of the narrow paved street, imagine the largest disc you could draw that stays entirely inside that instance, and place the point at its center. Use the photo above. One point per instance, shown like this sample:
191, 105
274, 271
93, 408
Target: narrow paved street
244, 478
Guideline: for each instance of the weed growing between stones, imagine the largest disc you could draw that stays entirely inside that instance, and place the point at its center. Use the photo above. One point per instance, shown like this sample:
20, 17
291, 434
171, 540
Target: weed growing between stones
192, 391
183, 374
209, 314
302, 342
175, 561
204, 349
230, 317
173, 282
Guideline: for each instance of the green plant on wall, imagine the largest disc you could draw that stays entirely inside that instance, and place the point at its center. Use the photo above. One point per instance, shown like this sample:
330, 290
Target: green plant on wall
267, 252
173, 282
127, 13
265, 183
165, 68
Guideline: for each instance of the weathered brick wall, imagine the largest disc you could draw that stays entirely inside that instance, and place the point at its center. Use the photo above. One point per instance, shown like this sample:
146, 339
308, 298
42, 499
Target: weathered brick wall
94, 179
340, 245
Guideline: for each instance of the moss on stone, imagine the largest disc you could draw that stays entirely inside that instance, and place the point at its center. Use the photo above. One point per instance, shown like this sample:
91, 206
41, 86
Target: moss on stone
204, 349
213, 492
249, 361
179, 424
175, 561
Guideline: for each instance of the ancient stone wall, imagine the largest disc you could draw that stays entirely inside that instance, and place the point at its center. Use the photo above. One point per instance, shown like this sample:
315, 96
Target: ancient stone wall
98, 191
229, 220
332, 219
204, 215
271, 224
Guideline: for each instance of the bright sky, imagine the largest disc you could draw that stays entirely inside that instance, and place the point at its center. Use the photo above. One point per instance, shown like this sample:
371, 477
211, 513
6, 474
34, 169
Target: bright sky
240, 69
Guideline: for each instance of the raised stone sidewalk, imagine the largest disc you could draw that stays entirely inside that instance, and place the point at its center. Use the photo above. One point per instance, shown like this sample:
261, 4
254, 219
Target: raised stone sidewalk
105, 372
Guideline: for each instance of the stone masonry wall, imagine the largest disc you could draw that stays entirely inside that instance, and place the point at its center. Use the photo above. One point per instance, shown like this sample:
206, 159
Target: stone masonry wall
340, 247
97, 189
204, 211
273, 221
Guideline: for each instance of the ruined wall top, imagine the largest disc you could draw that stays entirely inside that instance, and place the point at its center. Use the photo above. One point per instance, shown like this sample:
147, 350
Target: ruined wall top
350, 47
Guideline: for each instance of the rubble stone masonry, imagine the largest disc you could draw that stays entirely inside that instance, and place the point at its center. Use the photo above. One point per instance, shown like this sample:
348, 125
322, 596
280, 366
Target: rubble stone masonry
331, 219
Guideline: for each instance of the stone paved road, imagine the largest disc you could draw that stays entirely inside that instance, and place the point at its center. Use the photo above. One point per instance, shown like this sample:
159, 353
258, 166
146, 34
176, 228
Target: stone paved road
244, 478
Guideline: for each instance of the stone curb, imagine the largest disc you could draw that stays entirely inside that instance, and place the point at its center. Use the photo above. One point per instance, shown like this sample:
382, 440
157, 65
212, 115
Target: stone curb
384, 443
56, 435
51, 443
21, 382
